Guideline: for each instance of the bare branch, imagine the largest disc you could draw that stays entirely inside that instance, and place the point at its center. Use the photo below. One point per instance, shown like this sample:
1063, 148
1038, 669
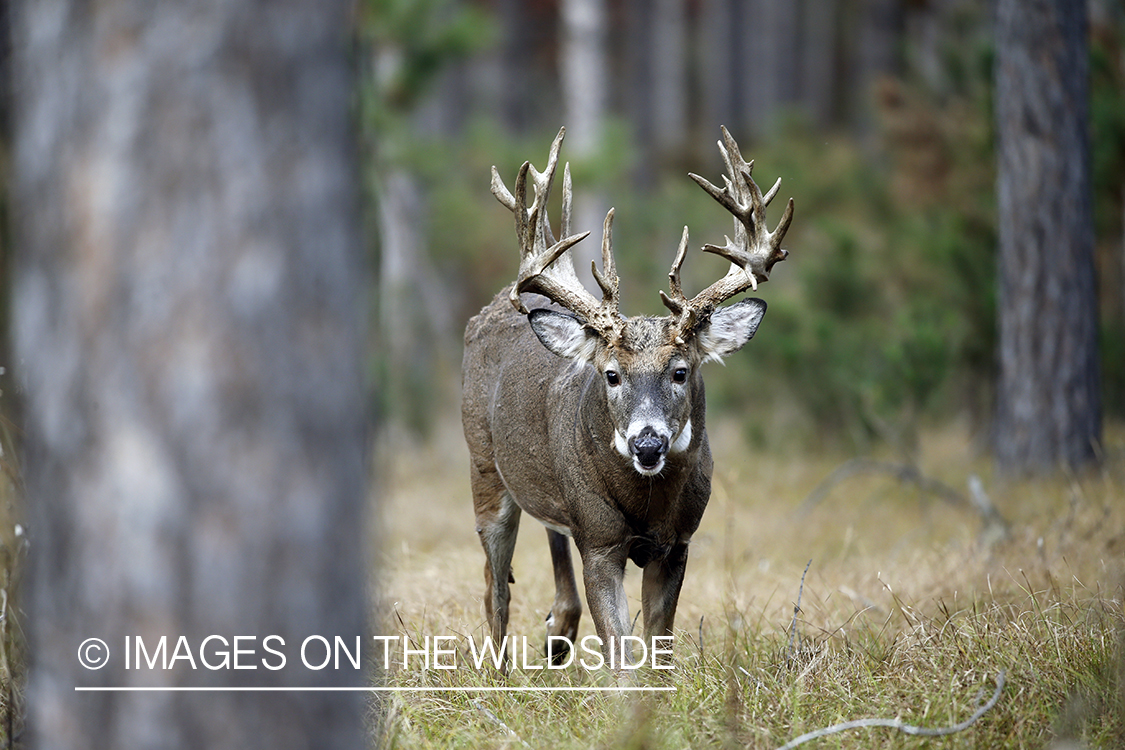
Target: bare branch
906, 473
902, 726
496, 720
995, 526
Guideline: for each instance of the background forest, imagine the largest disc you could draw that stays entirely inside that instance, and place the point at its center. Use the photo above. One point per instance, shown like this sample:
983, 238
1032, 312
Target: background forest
876, 114
193, 355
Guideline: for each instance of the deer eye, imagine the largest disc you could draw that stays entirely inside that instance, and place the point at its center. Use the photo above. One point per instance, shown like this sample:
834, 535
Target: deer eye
680, 375
612, 377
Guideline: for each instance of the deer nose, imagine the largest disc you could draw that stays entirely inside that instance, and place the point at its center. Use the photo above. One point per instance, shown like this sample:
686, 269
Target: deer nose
648, 447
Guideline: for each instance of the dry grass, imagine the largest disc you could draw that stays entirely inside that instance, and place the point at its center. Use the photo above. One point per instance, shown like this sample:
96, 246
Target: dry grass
905, 611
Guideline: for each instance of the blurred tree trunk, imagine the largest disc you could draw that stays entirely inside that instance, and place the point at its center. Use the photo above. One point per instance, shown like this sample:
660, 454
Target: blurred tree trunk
878, 53
772, 78
656, 82
189, 315
668, 92
414, 309
1048, 400
722, 56
638, 87
818, 70
585, 80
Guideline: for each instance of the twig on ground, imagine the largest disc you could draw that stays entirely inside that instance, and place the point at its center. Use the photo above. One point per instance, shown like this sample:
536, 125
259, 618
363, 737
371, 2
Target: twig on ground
902, 726
796, 609
496, 720
908, 473
995, 526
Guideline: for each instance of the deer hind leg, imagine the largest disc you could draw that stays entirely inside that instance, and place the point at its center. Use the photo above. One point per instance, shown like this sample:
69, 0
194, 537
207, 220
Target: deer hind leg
498, 520
562, 621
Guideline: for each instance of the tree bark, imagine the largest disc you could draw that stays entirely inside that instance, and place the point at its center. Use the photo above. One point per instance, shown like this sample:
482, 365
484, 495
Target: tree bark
668, 51
585, 82
722, 57
1048, 400
819, 63
189, 317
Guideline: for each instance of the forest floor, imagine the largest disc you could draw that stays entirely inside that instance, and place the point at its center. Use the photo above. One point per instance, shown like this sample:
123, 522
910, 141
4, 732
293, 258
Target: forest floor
911, 608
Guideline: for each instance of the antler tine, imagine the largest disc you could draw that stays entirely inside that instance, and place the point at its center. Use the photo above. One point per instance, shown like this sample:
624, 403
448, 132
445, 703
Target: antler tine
609, 281
769, 196
754, 249
677, 303
545, 265
568, 195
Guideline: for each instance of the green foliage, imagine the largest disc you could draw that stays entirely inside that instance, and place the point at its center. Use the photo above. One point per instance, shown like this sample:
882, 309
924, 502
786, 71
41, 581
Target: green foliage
885, 314
414, 42
1107, 146
1107, 128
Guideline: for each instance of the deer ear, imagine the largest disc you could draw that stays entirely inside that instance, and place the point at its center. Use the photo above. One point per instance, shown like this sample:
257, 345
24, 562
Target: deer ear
563, 334
729, 328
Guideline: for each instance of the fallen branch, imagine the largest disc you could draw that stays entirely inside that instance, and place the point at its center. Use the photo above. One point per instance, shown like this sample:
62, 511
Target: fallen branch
902, 726
907, 473
496, 720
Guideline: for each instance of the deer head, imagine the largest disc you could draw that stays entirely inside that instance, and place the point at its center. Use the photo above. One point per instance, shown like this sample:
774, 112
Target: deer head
648, 366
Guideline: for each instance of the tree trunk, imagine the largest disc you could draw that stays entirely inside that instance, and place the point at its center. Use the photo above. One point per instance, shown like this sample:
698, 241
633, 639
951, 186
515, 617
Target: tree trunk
189, 317
668, 92
585, 81
1048, 400
721, 62
414, 309
819, 63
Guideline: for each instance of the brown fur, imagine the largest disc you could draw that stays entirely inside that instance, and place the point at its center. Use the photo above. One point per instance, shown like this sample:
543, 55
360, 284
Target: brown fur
541, 440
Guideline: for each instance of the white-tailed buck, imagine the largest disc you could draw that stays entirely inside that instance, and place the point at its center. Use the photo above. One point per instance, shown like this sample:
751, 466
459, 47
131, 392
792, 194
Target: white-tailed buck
592, 422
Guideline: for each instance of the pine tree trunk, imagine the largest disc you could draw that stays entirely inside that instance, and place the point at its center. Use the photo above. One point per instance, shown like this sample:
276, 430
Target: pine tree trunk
1048, 400
585, 82
188, 313
668, 92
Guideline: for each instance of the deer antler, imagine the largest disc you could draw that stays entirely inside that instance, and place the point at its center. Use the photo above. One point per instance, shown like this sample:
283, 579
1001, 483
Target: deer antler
549, 270
752, 253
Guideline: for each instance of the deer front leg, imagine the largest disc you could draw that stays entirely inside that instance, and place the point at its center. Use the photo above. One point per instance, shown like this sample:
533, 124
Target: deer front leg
567, 608
660, 592
498, 519
603, 572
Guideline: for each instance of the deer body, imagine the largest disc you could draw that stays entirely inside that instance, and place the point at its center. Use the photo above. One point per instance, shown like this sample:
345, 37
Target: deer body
593, 423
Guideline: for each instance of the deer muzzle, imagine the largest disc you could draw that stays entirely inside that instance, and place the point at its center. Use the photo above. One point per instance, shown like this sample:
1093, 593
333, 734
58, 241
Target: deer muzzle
648, 449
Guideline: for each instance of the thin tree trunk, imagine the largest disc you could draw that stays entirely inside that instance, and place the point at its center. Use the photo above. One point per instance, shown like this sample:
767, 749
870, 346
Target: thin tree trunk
669, 76
720, 57
819, 64
188, 313
1049, 405
414, 311
584, 83
771, 77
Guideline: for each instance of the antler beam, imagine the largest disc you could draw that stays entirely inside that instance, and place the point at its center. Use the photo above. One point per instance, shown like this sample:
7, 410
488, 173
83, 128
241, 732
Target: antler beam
546, 266
753, 251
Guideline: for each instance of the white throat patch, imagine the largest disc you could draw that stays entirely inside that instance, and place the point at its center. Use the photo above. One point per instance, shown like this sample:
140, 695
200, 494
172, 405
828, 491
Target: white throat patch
682, 441
621, 443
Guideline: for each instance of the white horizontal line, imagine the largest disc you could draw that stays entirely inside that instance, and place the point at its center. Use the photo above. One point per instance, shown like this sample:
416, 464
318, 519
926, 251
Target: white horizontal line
129, 689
